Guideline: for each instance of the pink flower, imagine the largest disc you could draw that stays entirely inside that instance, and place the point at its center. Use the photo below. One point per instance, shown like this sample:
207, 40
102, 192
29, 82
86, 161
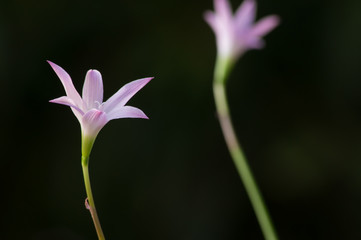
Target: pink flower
90, 109
238, 33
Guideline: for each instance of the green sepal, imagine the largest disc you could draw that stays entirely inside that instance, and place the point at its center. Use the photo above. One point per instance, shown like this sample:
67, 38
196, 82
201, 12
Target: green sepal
86, 148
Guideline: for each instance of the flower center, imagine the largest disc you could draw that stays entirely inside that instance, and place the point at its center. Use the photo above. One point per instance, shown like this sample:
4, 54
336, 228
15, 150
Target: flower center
97, 105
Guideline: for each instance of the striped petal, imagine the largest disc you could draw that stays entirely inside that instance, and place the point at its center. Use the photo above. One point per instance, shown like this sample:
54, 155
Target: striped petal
68, 102
93, 89
126, 112
92, 122
120, 98
67, 84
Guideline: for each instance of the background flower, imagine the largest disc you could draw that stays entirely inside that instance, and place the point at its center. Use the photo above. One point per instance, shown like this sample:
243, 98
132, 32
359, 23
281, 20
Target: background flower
238, 33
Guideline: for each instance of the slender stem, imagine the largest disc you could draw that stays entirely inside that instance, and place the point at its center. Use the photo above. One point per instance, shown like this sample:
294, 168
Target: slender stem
239, 159
90, 199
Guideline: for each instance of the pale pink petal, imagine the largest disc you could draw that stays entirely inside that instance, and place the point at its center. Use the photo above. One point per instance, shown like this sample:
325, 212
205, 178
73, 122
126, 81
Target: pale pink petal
237, 33
93, 89
92, 122
254, 42
223, 9
123, 95
265, 25
68, 102
210, 18
245, 15
126, 112
68, 84
224, 24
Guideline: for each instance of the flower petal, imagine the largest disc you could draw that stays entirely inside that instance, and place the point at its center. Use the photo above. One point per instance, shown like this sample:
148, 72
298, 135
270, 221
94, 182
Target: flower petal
265, 25
223, 9
123, 95
254, 42
210, 18
93, 89
245, 15
126, 112
68, 102
223, 30
224, 22
92, 122
68, 84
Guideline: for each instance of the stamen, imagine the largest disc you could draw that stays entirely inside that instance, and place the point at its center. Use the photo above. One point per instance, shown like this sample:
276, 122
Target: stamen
101, 106
97, 105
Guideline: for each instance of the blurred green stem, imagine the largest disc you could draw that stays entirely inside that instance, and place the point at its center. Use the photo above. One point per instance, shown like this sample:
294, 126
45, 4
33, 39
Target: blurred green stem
90, 201
222, 70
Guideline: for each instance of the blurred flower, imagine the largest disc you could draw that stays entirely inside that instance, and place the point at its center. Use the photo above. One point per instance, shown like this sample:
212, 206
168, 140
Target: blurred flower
90, 109
238, 33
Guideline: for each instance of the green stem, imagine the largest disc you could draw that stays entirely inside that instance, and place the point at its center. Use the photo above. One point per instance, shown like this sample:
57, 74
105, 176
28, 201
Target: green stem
91, 204
221, 72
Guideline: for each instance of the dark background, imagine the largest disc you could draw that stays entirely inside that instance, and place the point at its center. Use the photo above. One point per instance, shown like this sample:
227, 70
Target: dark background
296, 107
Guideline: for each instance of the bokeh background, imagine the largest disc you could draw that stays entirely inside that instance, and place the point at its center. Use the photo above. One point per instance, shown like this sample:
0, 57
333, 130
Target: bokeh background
296, 107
